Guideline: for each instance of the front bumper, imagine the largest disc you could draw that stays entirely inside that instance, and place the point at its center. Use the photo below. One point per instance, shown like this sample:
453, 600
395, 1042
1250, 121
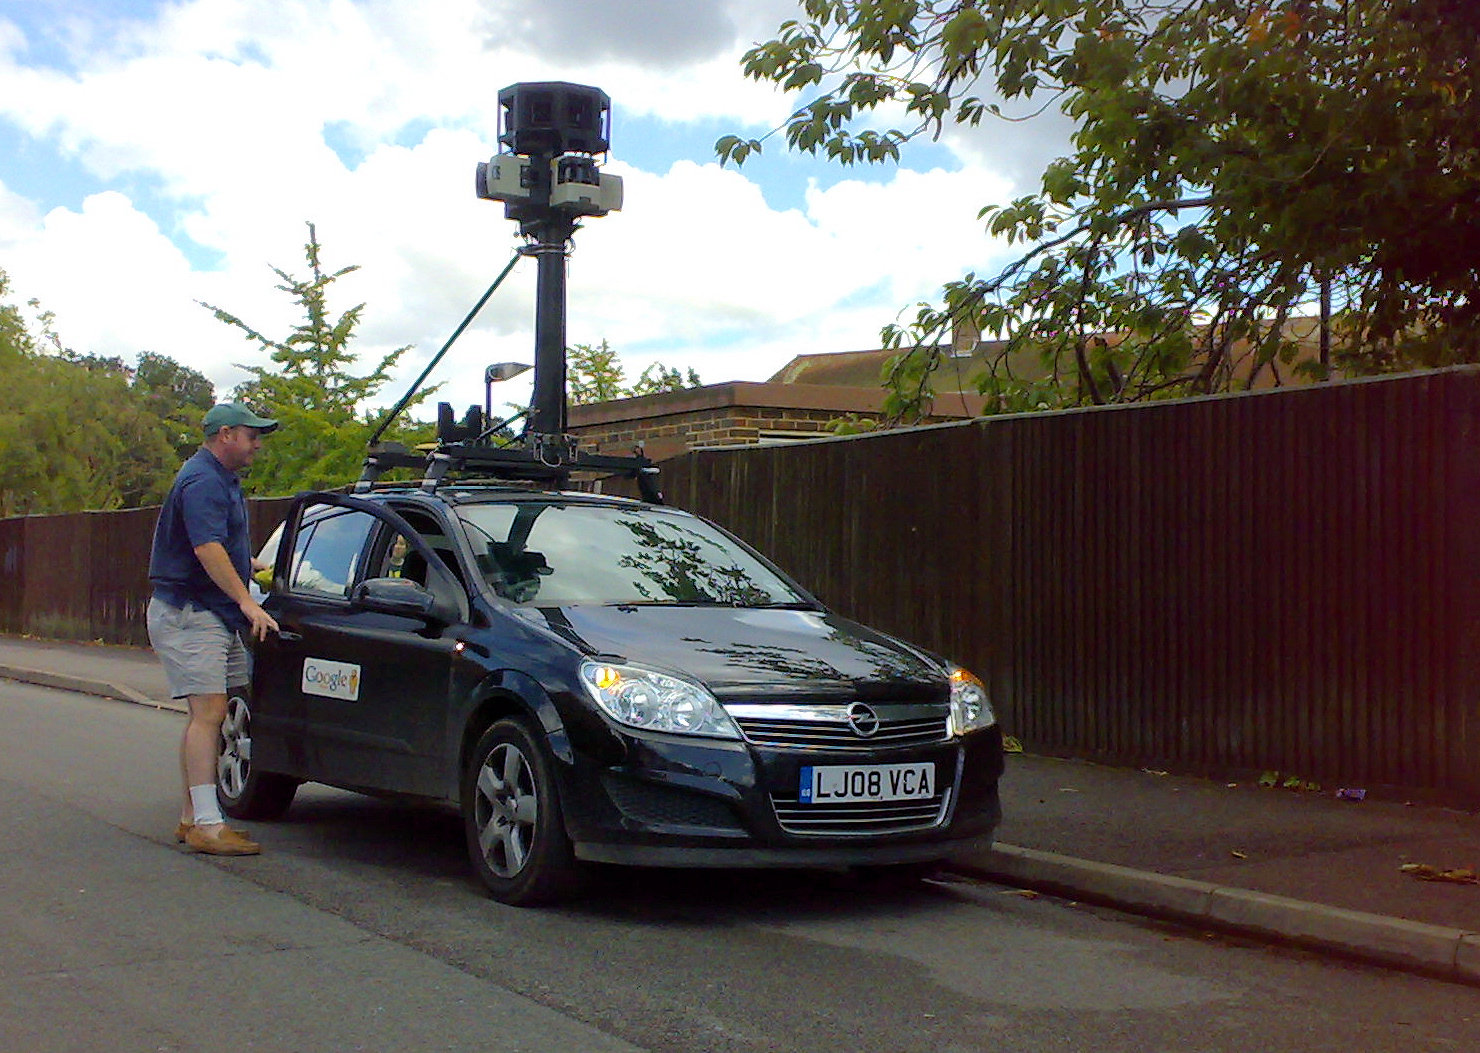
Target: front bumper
675, 801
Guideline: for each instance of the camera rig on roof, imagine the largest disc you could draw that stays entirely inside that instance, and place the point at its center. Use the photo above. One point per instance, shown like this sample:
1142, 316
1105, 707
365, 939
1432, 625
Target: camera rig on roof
455, 460
548, 180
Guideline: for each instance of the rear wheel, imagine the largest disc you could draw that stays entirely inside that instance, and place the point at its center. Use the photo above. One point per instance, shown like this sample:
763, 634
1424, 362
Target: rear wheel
245, 791
511, 815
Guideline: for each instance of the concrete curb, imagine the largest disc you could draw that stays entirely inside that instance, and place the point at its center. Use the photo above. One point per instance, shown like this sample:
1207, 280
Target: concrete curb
1453, 954
83, 685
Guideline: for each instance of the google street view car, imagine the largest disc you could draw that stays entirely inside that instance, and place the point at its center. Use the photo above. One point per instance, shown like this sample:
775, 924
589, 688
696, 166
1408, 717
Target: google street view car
588, 678
596, 679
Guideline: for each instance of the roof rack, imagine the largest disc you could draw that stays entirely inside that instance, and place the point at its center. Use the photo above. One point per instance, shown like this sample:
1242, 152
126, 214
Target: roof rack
547, 459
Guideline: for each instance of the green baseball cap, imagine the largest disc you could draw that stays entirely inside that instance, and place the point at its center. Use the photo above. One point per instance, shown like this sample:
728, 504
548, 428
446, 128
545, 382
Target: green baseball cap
232, 415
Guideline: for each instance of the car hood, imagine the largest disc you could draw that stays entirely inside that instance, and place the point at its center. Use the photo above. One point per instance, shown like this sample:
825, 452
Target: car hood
757, 653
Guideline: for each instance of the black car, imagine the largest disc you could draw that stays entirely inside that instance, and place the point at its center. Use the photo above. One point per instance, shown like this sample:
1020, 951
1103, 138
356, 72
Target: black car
590, 678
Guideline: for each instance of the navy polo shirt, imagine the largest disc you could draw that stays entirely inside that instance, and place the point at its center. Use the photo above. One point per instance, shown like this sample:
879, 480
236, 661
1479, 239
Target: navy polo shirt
205, 504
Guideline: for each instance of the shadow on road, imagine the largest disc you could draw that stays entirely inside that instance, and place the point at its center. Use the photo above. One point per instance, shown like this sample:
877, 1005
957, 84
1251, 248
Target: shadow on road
406, 844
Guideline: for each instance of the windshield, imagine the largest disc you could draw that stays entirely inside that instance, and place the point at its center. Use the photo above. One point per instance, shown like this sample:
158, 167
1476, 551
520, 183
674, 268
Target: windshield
553, 555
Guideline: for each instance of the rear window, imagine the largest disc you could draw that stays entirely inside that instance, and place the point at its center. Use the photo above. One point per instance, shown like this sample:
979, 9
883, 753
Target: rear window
552, 555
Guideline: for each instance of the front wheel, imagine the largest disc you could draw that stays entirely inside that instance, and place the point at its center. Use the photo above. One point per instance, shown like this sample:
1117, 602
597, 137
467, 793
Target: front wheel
511, 815
244, 790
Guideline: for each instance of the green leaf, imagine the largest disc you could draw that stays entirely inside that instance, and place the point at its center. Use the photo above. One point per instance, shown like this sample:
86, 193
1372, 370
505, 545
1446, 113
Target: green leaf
1315, 139
963, 35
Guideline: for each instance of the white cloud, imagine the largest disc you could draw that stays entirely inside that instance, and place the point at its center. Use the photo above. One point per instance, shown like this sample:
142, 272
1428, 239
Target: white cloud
114, 282
700, 260
664, 33
675, 59
18, 218
207, 128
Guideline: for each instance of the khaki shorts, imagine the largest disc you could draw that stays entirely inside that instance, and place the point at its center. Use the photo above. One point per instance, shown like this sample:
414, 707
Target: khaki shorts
200, 655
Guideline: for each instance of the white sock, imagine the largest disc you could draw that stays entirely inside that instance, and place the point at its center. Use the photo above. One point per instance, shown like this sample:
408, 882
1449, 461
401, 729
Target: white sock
207, 808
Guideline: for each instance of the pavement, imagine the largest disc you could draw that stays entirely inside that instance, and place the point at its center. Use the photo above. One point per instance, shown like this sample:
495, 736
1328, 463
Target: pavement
1382, 881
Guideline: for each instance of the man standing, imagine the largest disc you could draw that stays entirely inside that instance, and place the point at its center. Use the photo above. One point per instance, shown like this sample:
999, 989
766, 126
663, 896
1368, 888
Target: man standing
199, 567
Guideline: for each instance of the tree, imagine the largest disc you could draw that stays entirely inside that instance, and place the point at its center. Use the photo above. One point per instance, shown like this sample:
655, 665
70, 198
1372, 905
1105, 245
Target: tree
595, 374
125, 444
658, 378
178, 395
19, 467
75, 435
15, 340
1233, 159
322, 441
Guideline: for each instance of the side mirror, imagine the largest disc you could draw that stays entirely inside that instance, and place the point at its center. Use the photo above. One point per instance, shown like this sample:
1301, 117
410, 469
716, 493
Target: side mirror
403, 597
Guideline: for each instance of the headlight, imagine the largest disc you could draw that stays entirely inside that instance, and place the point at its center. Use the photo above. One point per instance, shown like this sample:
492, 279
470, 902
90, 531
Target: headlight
971, 709
652, 701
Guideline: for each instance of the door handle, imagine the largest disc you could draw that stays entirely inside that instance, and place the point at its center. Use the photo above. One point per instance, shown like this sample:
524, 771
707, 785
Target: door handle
288, 636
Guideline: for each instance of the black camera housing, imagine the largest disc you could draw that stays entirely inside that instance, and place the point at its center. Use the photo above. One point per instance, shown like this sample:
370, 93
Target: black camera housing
551, 118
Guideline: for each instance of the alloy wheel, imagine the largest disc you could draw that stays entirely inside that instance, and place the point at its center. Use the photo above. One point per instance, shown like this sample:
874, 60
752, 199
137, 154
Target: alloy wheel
506, 809
235, 761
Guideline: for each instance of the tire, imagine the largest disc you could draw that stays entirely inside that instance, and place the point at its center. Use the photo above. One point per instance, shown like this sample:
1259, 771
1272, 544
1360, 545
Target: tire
511, 815
243, 789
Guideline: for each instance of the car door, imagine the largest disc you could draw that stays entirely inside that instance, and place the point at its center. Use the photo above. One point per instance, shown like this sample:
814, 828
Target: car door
372, 682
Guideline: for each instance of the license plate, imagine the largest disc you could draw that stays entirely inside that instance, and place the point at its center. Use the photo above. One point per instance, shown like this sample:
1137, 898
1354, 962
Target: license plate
838, 784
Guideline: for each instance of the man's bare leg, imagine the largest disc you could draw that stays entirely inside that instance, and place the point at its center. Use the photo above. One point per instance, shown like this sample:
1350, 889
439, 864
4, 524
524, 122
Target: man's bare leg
200, 749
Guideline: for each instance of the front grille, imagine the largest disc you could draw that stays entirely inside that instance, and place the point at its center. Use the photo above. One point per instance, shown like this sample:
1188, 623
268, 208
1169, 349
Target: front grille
860, 819
654, 805
825, 726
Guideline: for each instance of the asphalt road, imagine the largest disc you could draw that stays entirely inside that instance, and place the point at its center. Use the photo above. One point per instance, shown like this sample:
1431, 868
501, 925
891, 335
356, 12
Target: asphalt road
359, 928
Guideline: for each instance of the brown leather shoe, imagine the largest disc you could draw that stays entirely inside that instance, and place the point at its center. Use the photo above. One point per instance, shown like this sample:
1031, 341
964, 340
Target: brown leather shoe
182, 828
227, 842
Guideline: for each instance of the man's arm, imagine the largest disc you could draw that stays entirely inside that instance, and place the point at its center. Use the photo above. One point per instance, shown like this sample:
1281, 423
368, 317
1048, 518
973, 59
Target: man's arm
218, 565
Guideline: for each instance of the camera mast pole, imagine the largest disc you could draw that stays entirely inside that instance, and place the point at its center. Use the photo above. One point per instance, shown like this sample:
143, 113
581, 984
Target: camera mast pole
548, 180
547, 402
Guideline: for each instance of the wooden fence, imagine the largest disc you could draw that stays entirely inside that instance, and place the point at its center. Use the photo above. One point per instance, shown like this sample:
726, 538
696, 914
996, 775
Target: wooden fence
1274, 581
85, 576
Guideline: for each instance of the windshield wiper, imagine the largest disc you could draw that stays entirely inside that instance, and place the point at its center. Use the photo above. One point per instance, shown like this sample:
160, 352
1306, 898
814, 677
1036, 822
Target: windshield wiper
670, 603
790, 605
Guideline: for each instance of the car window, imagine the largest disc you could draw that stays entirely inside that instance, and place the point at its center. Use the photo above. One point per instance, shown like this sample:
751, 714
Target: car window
431, 532
326, 553
393, 562
268, 553
400, 560
550, 554
261, 580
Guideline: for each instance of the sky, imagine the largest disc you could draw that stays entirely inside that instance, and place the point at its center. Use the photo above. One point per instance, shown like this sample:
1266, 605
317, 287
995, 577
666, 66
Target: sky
154, 156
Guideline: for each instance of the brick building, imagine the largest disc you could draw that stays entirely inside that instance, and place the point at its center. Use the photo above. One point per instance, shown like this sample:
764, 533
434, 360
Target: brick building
734, 413
812, 390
